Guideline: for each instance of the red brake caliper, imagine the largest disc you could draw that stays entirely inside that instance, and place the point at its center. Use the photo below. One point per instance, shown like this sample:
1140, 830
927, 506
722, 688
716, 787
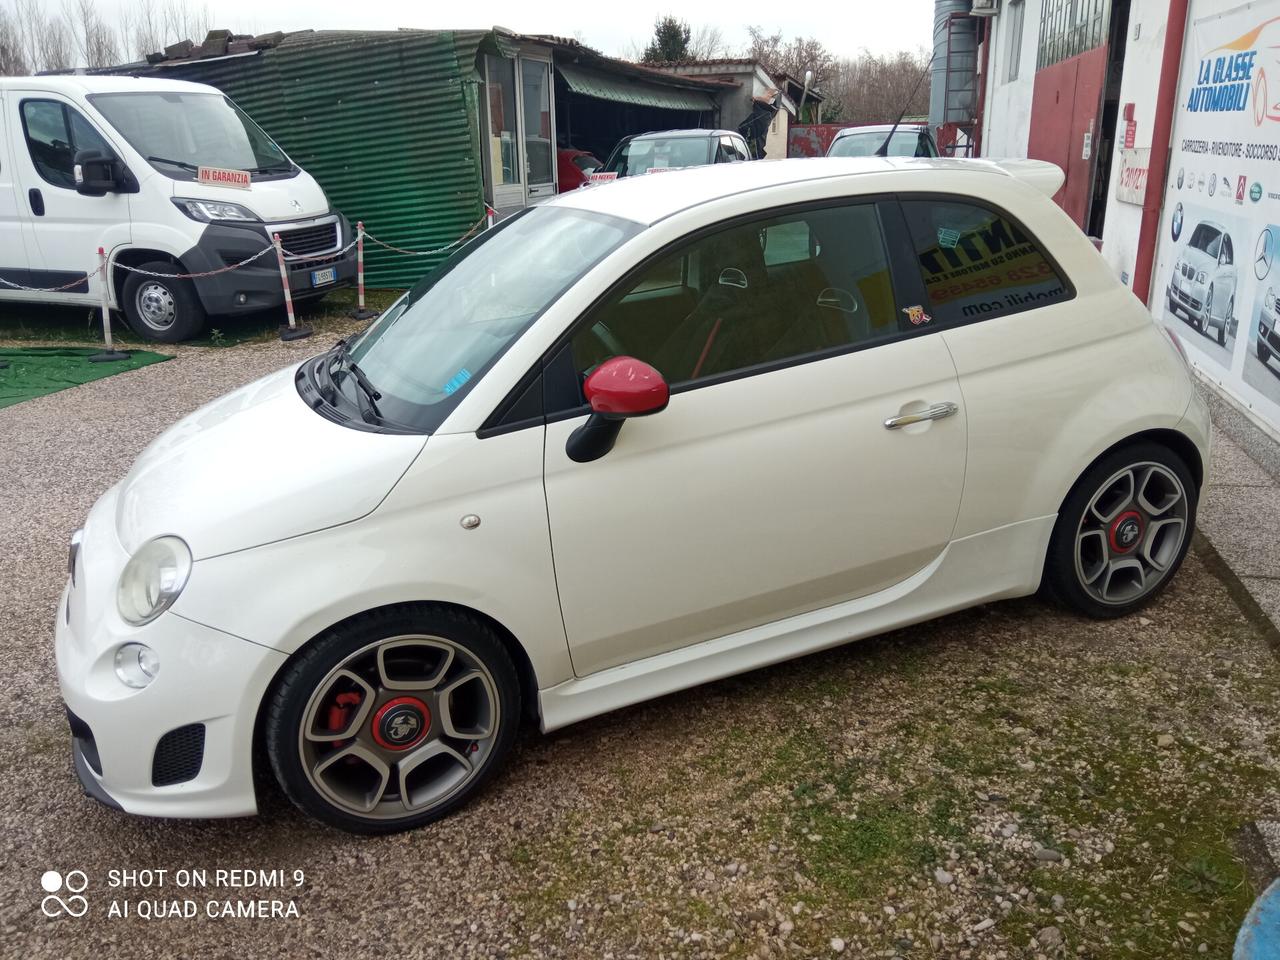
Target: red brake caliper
340, 712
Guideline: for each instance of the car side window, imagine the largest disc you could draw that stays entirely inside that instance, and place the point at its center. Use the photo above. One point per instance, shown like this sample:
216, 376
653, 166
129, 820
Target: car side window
976, 262
740, 148
1227, 255
757, 292
55, 132
726, 153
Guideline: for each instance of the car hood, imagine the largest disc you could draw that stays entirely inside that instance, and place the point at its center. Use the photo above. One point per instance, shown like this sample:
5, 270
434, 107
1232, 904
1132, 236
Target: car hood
1199, 259
255, 466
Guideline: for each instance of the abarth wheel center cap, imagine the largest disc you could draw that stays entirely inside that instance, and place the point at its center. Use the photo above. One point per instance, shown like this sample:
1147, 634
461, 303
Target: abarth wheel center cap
401, 723
1126, 531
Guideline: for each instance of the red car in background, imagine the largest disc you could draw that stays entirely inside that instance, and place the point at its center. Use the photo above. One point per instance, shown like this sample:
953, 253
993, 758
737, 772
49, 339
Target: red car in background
573, 167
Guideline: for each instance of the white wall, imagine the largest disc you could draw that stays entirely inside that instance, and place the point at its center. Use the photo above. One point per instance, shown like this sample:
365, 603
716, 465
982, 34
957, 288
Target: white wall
1006, 123
1138, 85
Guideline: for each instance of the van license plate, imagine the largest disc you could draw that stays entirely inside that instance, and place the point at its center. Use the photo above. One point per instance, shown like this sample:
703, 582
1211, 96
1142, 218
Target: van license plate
320, 277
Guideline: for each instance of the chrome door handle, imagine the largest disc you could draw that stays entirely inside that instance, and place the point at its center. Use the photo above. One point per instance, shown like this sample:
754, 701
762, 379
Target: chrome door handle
935, 412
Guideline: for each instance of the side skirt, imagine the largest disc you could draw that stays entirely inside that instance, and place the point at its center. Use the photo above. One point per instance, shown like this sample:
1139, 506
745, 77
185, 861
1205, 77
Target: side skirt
994, 565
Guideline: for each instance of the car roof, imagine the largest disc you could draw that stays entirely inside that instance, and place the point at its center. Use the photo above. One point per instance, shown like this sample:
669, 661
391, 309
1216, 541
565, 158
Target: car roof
881, 128
648, 199
79, 84
1212, 223
671, 134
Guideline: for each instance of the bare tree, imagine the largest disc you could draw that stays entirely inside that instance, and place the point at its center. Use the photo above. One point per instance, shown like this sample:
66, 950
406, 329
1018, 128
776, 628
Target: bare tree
876, 89
795, 57
94, 39
707, 43
13, 58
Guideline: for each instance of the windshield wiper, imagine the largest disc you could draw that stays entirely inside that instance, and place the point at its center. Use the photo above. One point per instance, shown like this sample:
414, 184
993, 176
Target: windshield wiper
348, 365
177, 163
272, 168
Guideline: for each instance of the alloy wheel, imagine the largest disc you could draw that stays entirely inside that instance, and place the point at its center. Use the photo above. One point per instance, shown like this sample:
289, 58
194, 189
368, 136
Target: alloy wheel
399, 726
1131, 533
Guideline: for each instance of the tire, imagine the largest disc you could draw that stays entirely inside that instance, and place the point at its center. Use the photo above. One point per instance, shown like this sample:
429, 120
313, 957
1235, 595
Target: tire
354, 768
164, 309
1222, 333
1090, 582
1206, 315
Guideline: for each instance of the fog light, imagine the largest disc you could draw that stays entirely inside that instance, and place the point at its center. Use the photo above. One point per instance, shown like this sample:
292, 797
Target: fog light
242, 298
136, 665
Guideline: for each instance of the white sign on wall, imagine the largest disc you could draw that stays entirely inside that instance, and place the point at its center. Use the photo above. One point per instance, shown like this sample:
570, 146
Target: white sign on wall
1132, 185
1216, 284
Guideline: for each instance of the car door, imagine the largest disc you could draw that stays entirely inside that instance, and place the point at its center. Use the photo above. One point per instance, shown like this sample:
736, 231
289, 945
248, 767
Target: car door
13, 245
65, 228
772, 484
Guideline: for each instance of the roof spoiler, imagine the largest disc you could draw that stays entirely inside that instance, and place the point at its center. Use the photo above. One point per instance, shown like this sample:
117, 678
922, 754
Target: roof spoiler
1044, 176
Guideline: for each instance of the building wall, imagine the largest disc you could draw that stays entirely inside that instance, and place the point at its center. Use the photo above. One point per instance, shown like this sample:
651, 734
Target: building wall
1006, 121
775, 144
1138, 85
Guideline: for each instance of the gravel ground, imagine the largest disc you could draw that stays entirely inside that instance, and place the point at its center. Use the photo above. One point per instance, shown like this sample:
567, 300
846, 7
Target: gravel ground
1006, 782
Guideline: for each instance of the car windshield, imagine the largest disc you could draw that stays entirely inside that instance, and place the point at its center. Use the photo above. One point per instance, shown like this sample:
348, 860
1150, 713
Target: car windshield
437, 342
179, 132
905, 143
659, 153
1206, 238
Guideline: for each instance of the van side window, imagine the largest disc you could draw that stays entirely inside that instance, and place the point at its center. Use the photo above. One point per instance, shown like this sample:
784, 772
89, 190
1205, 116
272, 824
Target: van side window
978, 263
55, 133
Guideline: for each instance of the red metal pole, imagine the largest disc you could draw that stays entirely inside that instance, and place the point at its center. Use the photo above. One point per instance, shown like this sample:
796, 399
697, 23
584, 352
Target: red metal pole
1161, 131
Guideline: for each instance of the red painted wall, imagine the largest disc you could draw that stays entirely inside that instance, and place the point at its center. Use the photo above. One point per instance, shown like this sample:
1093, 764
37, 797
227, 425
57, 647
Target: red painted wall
1066, 103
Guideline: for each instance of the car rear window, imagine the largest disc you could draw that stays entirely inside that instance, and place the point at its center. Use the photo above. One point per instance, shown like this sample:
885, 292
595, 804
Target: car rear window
977, 262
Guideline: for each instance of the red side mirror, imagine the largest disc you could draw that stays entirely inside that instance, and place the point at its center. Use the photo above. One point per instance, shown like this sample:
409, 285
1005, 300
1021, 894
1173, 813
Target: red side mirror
626, 387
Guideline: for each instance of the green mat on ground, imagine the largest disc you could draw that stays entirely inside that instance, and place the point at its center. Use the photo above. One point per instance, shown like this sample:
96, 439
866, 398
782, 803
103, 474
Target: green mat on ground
35, 371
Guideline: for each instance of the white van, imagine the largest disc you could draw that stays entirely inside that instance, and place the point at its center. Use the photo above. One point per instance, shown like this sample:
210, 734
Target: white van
168, 177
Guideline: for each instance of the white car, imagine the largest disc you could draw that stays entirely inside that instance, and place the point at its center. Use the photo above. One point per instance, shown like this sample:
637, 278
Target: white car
1203, 283
627, 442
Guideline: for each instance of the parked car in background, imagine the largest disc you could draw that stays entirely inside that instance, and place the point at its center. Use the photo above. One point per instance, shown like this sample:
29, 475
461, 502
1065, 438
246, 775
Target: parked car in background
574, 167
908, 140
759, 411
673, 150
167, 177
1268, 344
1202, 286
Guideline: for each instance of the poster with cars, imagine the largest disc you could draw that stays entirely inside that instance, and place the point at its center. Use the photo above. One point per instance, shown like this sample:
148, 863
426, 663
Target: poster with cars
1216, 284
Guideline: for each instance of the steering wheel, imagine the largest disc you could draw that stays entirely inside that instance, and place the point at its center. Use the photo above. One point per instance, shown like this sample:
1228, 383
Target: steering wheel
606, 337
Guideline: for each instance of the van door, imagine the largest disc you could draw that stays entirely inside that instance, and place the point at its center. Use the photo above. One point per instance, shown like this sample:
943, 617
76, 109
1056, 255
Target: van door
13, 245
65, 228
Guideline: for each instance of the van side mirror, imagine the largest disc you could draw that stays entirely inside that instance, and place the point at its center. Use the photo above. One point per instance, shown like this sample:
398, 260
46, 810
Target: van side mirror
617, 389
95, 173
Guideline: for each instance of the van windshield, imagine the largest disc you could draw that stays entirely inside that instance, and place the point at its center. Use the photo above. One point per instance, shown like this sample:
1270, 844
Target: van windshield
435, 344
180, 132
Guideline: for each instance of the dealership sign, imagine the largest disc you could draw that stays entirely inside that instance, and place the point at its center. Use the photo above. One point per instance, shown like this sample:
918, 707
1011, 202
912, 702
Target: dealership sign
1131, 187
1214, 284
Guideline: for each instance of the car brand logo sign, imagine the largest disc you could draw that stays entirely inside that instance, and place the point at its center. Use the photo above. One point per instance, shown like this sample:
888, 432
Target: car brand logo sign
916, 314
1175, 225
1213, 186
296, 205
1179, 178
403, 726
1255, 191
1264, 253
1241, 185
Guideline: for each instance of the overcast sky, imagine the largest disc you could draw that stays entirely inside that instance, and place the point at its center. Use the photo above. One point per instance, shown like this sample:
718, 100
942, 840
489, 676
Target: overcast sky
845, 28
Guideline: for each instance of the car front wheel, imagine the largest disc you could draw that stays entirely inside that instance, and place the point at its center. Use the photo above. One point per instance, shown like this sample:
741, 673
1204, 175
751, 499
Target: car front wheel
159, 306
1122, 531
393, 719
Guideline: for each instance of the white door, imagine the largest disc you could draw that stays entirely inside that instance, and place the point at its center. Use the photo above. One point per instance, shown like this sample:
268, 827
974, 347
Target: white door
770, 485
13, 246
65, 228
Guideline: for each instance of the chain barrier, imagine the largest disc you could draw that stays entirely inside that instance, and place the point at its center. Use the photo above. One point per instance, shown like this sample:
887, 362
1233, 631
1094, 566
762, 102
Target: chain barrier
290, 258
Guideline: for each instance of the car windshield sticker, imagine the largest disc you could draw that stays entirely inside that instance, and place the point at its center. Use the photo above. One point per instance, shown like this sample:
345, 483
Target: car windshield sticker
459, 378
948, 238
916, 314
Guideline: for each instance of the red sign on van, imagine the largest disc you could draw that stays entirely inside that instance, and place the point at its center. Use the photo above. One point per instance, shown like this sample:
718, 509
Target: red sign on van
222, 177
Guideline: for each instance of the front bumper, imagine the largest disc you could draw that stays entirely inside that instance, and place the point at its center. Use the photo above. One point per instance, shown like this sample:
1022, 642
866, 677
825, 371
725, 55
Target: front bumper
206, 678
1269, 333
256, 286
1187, 302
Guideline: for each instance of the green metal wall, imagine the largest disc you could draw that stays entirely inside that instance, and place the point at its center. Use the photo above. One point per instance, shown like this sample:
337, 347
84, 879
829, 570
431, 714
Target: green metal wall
384, 121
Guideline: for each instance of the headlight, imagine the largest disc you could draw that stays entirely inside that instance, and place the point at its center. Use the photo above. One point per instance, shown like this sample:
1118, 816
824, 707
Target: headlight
152, 579
209, 210
1271, 299
136, 665
1201, 277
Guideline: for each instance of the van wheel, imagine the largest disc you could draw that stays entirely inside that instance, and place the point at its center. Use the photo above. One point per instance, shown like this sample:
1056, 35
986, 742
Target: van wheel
393, 719
1122, 531
162, 308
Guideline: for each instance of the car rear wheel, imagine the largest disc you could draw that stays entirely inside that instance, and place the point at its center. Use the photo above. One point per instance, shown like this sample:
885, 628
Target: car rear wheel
1226, 319
394, 719
159, 307
1122, 532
